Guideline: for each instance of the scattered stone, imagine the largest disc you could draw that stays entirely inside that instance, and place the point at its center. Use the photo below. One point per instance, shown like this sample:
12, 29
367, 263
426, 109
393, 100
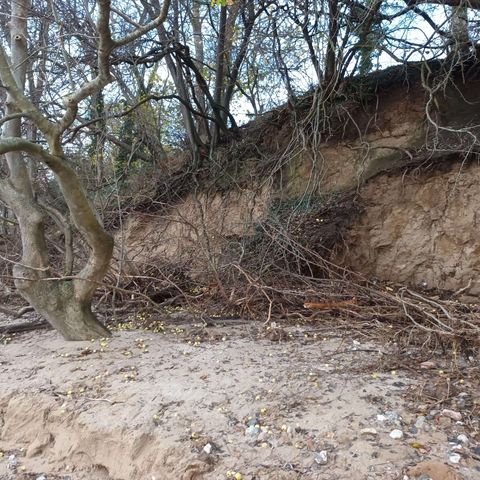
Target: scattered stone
321, 457
252, 431
41, 477
392, 416
263, 436
432, 414
368, 431
462, 438
456, 447
454, 458
457, 416
381, 418
12, 463
254, 420
396, 434
207, 449
462, 400
428, 365
420, 422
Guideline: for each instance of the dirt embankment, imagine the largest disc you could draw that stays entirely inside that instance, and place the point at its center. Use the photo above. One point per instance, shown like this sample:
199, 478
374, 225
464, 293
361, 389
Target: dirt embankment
420, 196
219, 402
421, 229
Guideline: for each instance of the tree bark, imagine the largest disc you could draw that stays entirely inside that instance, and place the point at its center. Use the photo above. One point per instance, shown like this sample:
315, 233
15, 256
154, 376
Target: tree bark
59, 303
64, 302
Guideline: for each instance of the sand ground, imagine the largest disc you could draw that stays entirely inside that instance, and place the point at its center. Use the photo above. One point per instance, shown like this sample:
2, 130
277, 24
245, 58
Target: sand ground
196, 402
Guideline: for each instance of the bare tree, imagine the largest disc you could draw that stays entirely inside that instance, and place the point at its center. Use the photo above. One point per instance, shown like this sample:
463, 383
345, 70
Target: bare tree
64, 301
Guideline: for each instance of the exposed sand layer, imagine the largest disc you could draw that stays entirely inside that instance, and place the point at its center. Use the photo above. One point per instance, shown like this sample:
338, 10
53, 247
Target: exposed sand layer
143, 406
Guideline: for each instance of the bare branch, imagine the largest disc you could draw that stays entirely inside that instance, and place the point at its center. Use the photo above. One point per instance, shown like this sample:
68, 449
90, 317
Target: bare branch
145, 28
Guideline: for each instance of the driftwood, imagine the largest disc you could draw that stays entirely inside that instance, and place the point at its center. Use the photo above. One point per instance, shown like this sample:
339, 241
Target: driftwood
20, 313
24, 327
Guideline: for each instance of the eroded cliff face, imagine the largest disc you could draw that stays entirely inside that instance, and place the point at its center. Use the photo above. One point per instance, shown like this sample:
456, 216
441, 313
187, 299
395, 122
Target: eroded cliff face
193, 234
420, 227
421, 200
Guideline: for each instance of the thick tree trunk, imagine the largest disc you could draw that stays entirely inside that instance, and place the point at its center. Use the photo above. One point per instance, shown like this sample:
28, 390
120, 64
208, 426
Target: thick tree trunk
66, 305
64, 302
58, 302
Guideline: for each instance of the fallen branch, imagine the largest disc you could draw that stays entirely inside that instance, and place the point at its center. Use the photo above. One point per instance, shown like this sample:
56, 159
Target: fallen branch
24, 327
18, 314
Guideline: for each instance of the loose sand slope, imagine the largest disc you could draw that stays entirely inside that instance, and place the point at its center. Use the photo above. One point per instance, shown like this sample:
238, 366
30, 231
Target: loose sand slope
150, 406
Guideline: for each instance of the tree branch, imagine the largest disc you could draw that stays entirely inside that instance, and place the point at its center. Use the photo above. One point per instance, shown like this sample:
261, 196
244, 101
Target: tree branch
145, 28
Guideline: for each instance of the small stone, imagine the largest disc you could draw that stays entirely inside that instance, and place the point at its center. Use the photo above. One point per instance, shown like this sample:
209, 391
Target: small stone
252, 431
457, 416
428, 365
12, 463
396, 434
262, 436
208, 448
392, 416
321, 457
454, 458
433, 413
462, 438
420, 422
368, 431
254, 420
381, 418
41, 477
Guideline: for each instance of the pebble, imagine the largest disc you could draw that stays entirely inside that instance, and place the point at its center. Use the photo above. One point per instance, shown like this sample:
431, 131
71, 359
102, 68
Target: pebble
394, 417
207, 449
254, 420
454, 458
462, 438
262, 436
321, 457
420, 421
252, 431
457, 416
41, 477
12, 463
427, 365
396, 434
368, 431
381, 418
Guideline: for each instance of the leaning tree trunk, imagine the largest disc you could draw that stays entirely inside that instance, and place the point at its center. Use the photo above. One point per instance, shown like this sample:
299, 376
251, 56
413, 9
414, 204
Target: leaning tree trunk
59, 302
65, 304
